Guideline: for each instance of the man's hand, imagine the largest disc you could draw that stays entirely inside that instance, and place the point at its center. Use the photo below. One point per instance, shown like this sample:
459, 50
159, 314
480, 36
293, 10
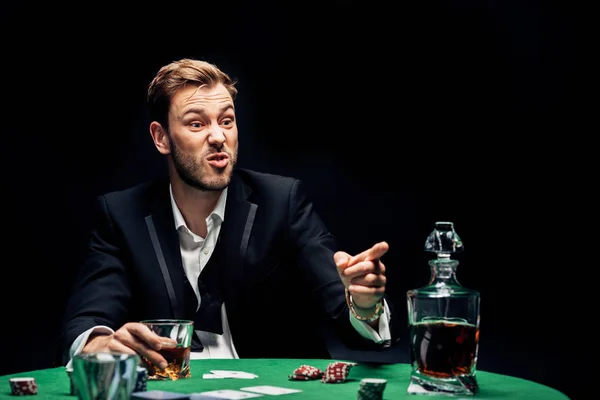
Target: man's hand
363, 274
132, 338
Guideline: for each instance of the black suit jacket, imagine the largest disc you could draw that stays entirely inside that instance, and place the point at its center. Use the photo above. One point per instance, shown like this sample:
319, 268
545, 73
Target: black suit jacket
283, 295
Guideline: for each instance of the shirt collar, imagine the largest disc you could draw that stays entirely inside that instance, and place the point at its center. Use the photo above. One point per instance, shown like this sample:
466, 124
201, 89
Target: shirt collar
218, 212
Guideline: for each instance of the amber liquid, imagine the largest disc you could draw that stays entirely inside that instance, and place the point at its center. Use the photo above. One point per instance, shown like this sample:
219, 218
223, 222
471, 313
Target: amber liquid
442, 349
178, 359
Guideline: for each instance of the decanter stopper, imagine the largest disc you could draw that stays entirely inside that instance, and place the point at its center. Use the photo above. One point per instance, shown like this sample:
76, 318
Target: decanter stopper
443, 240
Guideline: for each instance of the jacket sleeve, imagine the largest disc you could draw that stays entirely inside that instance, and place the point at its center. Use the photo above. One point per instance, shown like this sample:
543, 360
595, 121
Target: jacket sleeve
315, 247
101, 292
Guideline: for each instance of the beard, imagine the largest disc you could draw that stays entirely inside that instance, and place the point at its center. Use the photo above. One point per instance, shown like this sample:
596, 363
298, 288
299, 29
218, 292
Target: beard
201, 176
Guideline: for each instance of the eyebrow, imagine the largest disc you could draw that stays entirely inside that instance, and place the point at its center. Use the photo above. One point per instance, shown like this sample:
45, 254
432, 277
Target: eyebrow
199, 110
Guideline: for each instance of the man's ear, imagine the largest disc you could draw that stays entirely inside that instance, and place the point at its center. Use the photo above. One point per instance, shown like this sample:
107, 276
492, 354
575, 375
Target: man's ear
160, 138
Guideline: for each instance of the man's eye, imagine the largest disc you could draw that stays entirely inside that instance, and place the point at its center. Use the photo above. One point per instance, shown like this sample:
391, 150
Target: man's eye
196, 124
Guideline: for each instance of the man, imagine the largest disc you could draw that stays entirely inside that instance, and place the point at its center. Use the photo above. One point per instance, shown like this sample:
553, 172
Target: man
242, 253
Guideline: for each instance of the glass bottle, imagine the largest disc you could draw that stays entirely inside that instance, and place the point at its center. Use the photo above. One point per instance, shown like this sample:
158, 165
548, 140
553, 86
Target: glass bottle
443, 318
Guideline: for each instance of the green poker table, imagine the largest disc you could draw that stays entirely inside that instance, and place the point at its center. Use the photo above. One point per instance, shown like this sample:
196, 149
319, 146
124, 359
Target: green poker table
54, 383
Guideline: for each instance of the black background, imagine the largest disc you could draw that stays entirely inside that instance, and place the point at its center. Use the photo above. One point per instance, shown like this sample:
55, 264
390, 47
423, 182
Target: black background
394, 116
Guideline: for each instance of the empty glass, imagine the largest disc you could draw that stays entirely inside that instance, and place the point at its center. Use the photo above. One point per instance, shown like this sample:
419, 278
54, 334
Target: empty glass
105, 376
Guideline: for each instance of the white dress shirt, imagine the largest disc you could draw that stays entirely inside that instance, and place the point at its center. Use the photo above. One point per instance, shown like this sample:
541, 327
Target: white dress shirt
195, 253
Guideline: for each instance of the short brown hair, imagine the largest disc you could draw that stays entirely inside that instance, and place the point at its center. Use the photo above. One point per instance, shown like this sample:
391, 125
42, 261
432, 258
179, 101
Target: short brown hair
177, 74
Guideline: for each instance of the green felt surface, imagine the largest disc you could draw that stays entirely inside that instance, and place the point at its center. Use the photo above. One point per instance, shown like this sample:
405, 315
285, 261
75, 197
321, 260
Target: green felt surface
53, 383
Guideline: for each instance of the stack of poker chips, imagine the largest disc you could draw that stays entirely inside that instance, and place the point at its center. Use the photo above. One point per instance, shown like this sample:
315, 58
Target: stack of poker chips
371, 389
23, 386
306, 373
337, 372
141, 383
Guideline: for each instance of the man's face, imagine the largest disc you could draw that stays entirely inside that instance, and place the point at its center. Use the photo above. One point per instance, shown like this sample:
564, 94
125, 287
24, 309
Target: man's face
203, 136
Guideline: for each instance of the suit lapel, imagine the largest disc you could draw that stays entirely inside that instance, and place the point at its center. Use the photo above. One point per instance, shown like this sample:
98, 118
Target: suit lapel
165, 243
235, 232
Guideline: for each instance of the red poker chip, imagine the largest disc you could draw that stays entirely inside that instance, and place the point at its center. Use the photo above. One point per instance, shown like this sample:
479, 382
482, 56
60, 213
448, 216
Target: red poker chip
333, 379
306, 372
23, 386
337, 372
294, 377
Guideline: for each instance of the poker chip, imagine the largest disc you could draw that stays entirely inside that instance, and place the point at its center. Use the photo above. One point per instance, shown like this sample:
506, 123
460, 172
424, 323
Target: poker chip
141, 382
294, 377
23, 386
306, 373
337, 372
371, 389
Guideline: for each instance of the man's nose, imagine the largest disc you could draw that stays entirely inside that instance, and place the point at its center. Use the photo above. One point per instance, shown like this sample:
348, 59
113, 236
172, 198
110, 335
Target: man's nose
217, 135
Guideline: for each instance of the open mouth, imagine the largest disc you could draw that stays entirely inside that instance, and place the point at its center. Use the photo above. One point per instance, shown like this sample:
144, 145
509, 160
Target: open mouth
219, 160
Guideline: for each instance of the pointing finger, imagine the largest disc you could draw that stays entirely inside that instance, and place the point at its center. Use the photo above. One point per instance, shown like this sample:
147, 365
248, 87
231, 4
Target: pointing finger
374, 253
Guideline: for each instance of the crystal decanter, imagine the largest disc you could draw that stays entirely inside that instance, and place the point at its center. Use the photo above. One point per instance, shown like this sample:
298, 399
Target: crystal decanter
443, 318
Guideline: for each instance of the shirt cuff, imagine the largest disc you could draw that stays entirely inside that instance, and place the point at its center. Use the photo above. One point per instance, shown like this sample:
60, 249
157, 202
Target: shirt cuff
79, 343
382, 335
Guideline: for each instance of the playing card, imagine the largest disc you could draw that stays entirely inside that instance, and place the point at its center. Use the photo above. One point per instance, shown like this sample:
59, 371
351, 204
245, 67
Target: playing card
231, 394
200, 396
159, 395
217, 373
272, 390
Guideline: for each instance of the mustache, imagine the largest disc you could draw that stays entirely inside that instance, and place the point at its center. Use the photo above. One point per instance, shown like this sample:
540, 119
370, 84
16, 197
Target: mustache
217, 149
